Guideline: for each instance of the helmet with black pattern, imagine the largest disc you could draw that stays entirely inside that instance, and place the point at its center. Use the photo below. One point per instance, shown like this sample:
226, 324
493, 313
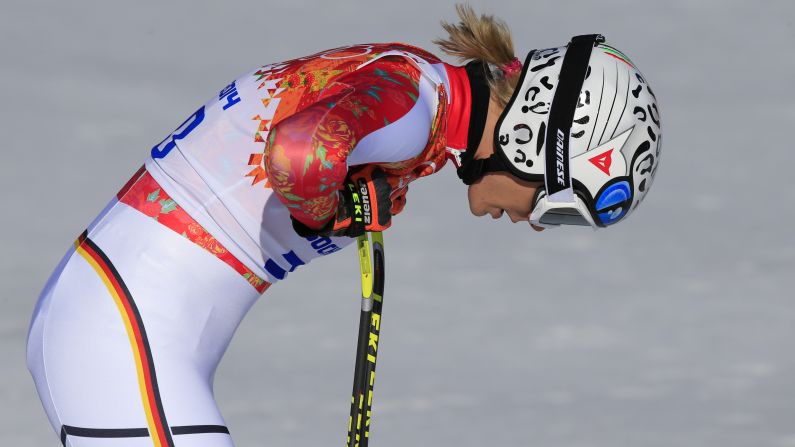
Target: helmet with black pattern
584, 121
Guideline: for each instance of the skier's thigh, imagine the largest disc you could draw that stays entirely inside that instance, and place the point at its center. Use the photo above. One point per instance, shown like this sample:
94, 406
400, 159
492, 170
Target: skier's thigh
103, 386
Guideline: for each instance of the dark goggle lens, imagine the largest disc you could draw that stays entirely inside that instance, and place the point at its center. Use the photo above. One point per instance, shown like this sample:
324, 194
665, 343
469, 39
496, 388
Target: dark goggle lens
564, 216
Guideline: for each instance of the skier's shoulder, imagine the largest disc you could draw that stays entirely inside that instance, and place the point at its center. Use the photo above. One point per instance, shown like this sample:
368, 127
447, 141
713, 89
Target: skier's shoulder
409, 49
355, 57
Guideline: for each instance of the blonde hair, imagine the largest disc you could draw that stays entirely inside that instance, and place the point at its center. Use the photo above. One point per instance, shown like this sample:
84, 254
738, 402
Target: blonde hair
484, 38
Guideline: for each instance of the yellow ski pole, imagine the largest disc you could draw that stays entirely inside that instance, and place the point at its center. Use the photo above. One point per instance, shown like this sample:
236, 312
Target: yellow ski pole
372, 276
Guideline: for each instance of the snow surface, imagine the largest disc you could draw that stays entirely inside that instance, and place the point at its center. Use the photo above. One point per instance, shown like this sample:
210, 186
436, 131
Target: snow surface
675, 329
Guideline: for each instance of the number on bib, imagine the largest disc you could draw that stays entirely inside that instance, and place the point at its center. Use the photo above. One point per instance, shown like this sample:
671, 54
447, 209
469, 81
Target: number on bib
164, 147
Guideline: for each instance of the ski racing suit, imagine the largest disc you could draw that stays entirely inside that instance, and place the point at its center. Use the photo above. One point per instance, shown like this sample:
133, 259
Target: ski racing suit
129, 329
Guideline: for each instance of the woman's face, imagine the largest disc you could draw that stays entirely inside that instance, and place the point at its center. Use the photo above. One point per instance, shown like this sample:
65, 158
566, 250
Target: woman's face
498, 193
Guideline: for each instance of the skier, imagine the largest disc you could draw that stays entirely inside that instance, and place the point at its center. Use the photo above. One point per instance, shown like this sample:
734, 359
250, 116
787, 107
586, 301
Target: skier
289, 162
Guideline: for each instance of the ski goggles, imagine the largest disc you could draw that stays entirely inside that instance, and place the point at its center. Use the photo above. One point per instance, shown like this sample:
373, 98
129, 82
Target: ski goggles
549, 214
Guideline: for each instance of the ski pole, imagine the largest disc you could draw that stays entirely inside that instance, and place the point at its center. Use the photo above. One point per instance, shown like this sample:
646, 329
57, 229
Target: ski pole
372, 276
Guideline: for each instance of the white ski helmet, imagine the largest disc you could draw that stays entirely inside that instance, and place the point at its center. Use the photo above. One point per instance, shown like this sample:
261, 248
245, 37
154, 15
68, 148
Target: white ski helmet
583, 120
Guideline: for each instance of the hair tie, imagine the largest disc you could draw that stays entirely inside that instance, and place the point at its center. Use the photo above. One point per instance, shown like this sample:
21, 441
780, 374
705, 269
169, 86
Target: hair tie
511, 68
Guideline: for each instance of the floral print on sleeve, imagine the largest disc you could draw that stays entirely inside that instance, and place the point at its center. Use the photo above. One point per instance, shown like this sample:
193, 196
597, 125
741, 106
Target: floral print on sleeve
305, 154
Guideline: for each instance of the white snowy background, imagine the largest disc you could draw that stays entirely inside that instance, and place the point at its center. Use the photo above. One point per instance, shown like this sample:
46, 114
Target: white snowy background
675, 328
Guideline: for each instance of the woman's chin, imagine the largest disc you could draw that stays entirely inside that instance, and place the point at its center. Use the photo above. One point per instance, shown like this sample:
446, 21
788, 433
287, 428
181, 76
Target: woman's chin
477, 210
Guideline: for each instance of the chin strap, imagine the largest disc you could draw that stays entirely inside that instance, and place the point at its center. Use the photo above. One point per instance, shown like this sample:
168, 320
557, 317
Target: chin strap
472, 170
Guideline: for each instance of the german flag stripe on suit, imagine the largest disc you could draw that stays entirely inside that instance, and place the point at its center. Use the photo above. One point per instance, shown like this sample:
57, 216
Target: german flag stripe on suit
147, 379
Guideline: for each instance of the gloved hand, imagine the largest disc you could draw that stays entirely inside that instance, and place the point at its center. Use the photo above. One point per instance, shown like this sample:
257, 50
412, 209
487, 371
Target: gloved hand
364, 205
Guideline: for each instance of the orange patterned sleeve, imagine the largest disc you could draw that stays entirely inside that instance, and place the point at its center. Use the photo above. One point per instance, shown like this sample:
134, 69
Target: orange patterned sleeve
306, 153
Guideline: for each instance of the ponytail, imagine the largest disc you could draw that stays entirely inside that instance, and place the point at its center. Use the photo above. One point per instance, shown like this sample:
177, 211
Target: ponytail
485, 38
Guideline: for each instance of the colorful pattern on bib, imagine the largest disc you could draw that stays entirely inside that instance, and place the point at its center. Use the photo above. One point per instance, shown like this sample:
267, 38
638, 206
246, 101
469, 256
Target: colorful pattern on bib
144, 194
276, 143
